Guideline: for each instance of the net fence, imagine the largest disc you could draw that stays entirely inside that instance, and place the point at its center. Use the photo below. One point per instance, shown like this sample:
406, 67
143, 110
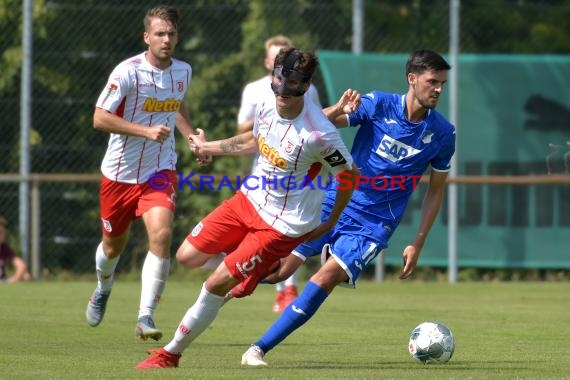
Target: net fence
77, 44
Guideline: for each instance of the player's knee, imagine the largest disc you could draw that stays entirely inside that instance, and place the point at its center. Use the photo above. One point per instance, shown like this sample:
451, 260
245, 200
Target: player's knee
113, 247
187, 259
328, 278
161, 236
190, 257
220, 282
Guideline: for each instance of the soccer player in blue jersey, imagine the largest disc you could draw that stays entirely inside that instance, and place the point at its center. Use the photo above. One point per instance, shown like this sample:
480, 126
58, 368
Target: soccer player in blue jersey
400, 136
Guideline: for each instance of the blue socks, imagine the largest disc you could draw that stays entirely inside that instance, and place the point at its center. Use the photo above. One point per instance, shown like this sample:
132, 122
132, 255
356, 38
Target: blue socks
294, 316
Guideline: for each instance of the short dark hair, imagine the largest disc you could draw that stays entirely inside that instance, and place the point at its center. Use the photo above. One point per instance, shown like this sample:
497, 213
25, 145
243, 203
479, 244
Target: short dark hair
164, 12
425, 60
305, 62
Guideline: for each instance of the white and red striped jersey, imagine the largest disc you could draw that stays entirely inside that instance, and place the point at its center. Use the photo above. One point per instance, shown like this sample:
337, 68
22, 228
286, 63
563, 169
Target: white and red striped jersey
292, 171
142, 94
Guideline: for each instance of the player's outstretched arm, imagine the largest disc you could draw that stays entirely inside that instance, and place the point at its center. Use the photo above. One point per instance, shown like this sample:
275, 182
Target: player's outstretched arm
246, 126
234, 146
184, 126
430, 208
288, 266
348, 103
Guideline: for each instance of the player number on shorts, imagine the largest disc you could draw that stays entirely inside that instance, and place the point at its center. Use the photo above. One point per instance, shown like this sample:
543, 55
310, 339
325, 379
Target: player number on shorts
248, 266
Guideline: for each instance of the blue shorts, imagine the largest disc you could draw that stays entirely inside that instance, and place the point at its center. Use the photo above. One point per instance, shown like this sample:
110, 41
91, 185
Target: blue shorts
352, 245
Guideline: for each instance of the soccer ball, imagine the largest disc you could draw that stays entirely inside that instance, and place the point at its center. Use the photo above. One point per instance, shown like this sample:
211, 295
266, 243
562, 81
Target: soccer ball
431, 342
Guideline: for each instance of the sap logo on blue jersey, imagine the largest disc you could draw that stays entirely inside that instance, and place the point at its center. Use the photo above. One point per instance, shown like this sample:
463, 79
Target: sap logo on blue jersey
394, 150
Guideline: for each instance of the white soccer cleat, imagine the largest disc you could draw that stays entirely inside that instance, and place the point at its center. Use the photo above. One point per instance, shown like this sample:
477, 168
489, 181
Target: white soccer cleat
253, 357
146, 329
96, 307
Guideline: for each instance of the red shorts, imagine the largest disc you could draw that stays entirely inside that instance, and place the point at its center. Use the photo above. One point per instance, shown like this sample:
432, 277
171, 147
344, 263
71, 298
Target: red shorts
253, 247
121, 203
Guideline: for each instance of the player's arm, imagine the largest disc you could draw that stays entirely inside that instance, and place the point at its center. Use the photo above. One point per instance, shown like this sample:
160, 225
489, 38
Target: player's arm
431, 205
246, 126
347, 183
106, 121
183, 122
287, 267
20, 270
348, 103
243, 143
184, 126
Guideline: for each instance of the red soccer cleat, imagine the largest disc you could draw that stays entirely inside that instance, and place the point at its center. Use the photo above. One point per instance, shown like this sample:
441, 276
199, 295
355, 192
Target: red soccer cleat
278, 305
159, 358
290, 294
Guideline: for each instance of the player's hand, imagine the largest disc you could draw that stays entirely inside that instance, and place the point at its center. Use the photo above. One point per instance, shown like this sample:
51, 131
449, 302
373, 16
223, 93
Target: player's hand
410, 255
349, 101
195, 141
158, 133
239, 291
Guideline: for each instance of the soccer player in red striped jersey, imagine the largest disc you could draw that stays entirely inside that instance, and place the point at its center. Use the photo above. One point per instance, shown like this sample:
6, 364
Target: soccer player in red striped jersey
142, 103
266, 219
252, 94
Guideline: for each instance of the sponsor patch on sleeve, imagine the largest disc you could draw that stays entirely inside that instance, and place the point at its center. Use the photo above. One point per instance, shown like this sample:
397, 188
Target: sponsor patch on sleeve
335, 158
112, 88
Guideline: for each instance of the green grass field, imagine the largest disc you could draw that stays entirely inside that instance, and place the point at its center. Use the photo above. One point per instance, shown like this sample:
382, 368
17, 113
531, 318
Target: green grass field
503, 331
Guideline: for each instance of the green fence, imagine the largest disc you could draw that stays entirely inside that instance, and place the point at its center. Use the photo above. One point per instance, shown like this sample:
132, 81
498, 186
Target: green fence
514, 119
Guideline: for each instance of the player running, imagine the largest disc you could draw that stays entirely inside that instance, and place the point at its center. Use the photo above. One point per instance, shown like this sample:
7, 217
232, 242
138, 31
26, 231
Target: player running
262, 224
140, 106
400, 136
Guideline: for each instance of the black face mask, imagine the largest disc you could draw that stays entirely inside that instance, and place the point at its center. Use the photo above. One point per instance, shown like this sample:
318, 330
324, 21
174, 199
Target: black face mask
288, 73
283, 88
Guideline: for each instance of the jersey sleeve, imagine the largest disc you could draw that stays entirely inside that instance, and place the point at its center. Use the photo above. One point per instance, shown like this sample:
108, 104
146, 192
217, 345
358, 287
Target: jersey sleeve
247, 106
115, 90
367, 106
332, 151
442, 162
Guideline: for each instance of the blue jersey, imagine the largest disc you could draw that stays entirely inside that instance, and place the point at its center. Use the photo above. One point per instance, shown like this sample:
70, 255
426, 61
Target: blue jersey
392, 154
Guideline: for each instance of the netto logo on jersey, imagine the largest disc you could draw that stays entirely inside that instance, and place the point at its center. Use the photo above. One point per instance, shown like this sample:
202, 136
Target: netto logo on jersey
270, 153
395, 150
155, 105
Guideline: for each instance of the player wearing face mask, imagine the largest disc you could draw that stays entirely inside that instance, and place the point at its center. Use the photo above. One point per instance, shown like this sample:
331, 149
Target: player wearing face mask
259, 226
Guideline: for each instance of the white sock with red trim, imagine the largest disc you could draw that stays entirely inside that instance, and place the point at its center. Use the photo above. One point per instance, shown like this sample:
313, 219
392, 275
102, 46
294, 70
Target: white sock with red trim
195, 321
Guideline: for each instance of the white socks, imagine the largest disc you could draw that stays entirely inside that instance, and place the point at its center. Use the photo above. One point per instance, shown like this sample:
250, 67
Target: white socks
105, 268
292, 280
153, 280
195, 321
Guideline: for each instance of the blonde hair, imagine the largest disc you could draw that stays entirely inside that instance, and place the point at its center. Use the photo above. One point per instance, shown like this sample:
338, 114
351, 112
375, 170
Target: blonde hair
278, 40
